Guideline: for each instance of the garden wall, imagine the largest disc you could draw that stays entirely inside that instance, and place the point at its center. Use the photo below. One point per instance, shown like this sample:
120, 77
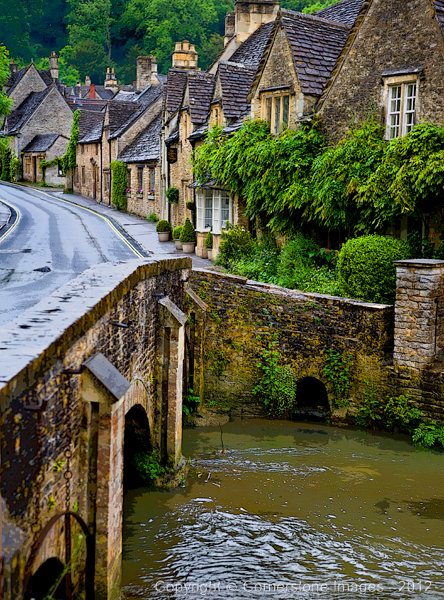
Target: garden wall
244, 316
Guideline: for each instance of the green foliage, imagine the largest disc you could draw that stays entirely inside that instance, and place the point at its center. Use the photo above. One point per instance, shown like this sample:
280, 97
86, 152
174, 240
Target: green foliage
218, 361
271, 173
190, 403
163, 226
187, 235
5, 157
119, 179
428, 435
5, 101
172, 195
235, 241
393, 414
152, 218
366, 270
148, 467
337, 370
45, 164
319, 5
67, 73
68, 160
176, 232
209, 240
15, 167
277, 385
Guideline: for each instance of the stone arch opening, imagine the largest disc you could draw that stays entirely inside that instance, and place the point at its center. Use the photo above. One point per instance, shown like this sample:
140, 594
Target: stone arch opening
311, 399
136, 443
48, 579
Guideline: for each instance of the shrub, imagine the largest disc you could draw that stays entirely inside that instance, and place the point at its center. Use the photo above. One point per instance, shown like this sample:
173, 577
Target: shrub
163, 226
187, 235
259, 262
148, 466
366, 270
236, 241
172, 195
152, 218
176, 232
119, 171
209, 241
190, 403
428, 435
191, 205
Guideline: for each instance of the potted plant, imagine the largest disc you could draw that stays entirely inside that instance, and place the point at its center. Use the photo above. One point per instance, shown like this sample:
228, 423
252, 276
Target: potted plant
163, 229
150, 195
209, 244
128, 192
172, 195
188, 237
191, 205
139, 194
176, 237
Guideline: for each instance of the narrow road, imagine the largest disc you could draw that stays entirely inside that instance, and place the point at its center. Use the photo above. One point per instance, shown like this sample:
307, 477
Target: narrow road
49, 241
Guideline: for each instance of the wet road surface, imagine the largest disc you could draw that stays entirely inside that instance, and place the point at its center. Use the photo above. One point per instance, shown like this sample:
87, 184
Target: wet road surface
52, 242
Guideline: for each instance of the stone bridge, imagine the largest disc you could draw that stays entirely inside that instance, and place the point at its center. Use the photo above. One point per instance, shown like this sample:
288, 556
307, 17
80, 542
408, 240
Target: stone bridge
108, 348
100, 366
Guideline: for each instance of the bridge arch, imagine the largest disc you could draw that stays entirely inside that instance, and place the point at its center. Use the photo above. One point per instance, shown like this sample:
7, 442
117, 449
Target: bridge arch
136, 441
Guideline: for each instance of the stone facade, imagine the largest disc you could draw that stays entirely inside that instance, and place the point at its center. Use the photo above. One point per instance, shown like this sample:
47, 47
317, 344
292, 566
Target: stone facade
143, 204
87, 175
390, 38
61, 416
30, 82
31, 163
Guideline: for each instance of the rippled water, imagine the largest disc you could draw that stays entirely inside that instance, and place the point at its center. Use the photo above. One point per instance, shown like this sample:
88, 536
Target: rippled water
291, 511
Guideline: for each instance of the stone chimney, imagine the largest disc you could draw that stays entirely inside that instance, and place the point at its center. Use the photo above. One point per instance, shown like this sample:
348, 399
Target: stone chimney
110, 79
78, 89
185, 56
249, 16
13, 68
87, 80
230, 23
54, 65
146, 72
92, 91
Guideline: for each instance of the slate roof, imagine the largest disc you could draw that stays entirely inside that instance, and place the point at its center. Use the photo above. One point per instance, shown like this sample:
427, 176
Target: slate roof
88, 120
200, 91
15, 78
20, 115
345, 11
316, 45
236, 80
251, 51
120, 113
177, 80
135, 109
439, 12
173, 137
94, 135
145, 146
41, 143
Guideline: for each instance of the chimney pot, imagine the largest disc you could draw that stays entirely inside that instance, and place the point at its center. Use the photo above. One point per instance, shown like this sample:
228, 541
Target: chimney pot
13, 67
185, 57
87, 80
54, 65
178, 47
185, 45
92, 91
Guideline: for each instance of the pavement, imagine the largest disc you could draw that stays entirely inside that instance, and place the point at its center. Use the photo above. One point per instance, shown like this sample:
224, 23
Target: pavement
138, 228
5, 215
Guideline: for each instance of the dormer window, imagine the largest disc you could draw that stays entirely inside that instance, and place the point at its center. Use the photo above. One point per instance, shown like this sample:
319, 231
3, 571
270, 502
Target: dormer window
276, 111
401, 101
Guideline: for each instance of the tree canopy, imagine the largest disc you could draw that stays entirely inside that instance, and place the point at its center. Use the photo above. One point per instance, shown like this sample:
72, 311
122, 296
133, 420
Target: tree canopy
92, 35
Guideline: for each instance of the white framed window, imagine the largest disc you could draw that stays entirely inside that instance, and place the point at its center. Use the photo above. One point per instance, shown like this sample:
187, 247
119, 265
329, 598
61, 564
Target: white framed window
401, 110
276, 111
214, 210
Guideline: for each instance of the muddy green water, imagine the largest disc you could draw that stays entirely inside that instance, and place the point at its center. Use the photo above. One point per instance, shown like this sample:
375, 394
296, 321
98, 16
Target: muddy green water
291, 510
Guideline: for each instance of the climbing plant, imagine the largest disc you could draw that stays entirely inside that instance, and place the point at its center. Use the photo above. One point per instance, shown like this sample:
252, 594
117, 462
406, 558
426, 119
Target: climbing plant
15, 167
277, 386
45, 164
119, 172
5, 158
337, 369
68, 160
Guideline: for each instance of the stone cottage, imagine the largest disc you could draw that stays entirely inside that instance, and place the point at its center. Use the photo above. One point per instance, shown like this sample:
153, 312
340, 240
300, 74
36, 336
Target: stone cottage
392, 64
47, 147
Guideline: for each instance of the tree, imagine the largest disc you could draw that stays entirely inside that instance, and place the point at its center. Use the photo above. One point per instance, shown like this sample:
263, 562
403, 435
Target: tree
67, 73
89, 58
90, 21
5, 102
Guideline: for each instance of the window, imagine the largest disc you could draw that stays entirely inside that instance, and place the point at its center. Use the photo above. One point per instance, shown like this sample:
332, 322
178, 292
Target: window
83, 173
128, 178
152, 180
82, 148
214, 209
140, 178
276, 111
97, 148
60, 172
401, 113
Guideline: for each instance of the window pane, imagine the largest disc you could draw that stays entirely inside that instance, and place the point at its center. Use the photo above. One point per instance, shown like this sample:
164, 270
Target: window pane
224, 209
277, 115
152, 180
285, 110
208, 209
394, 116
410, 106
200, 210
269, 101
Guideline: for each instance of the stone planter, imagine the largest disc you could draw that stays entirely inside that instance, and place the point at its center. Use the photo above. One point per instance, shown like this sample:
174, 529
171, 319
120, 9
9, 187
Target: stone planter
188, 247
150, 196
139, 196
164, 236
178, 244
212, 254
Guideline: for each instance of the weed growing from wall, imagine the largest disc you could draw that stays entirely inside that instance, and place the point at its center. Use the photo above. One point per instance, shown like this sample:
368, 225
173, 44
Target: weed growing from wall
148, 466
337, 370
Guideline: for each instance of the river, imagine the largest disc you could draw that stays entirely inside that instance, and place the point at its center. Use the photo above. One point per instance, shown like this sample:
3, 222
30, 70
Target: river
291, 510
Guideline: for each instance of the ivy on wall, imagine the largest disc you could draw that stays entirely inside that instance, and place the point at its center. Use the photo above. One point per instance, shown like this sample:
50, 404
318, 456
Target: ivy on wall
5, 159
119, 171
68, 160
44, 164
363, 184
